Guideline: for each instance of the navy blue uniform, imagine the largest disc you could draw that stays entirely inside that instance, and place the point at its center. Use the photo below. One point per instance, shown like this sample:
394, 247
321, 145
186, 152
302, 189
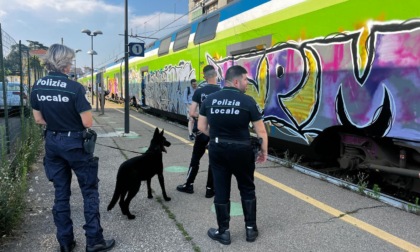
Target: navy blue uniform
201, 140
229, 113
60, 101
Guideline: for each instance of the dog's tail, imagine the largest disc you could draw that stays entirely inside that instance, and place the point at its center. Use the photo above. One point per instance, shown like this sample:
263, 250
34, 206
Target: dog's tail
115, 197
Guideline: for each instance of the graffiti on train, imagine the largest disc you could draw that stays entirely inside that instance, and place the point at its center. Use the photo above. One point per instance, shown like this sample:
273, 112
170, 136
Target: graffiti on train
366, 80
164, 88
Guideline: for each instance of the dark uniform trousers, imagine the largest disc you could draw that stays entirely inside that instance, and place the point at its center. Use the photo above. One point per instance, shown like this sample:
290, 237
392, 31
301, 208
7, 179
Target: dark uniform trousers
63, 153
199, 149
227, 159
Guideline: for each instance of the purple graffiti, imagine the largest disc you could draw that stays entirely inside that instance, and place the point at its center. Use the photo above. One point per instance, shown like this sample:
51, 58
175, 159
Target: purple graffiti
325, 82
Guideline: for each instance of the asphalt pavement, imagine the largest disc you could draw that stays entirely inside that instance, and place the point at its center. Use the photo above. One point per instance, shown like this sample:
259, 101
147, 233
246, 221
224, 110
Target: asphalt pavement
295, 211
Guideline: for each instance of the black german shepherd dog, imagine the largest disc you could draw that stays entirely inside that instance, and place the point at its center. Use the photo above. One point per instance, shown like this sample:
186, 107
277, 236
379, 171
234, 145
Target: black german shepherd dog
137, 169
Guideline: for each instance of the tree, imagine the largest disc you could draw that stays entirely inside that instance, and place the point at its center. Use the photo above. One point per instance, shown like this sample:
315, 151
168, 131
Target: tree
34, 45
12, 60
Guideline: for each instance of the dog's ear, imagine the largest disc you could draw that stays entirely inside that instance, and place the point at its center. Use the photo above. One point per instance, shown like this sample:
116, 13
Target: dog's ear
156, 131
161, 133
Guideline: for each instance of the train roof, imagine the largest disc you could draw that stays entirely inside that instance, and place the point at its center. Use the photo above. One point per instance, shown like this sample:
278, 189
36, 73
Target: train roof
224, 13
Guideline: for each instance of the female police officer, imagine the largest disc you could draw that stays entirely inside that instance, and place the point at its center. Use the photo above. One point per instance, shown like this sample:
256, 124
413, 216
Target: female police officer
61, 105
225, 116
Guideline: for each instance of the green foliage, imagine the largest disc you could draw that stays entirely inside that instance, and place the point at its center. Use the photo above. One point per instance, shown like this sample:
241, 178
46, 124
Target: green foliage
362, 181
12, 61
376, 192
289, 161
3, 160
13, 174
414, 208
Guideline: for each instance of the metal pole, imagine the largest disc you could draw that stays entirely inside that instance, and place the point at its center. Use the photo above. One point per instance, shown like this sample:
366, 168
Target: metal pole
127, 93
36, 71
22, 110
29, 74
97, 94
28, 97
3, 80
96, 91
91, 84
75, 68
21, 78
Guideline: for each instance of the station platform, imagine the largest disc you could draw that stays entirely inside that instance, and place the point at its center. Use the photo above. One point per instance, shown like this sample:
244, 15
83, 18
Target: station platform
295, 212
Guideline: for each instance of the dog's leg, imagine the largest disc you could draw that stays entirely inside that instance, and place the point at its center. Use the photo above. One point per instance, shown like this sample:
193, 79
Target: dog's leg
162, 186
131, 194
122, 202
149, 189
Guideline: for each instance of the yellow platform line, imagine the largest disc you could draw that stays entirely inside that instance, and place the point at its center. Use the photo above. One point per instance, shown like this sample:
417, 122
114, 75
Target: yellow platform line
341, 215
405, 245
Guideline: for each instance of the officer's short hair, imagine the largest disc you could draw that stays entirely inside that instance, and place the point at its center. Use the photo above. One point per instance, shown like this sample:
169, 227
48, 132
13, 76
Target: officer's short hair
234, 72
58, 57
193, 80
209, 71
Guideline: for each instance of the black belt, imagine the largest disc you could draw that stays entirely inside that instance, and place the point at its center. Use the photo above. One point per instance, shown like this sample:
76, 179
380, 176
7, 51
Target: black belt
66, 133
229, 141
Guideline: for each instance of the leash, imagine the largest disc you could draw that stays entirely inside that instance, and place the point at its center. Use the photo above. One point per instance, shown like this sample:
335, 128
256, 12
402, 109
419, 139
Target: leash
120, 148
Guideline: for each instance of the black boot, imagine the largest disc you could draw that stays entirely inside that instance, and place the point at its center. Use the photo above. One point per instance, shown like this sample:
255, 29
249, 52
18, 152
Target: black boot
68, 248
186, 188
250, 214
222, 234
106, 245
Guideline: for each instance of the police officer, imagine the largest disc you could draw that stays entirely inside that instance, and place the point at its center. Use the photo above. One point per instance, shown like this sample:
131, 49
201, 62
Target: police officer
61, 105
201, 140
225, 117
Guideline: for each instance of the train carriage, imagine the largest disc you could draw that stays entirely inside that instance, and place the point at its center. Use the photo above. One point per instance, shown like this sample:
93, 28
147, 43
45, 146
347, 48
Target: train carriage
337, 79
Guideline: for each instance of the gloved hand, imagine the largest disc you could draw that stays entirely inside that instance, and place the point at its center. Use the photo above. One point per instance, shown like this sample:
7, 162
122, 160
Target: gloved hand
89, 140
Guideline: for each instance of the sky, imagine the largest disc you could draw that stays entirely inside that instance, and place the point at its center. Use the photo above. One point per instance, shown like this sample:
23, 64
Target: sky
61, 21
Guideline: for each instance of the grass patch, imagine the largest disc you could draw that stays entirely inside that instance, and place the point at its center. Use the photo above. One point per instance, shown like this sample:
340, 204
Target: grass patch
13, 173
290, 161
376, 192
362, 182
414, 208
179, 225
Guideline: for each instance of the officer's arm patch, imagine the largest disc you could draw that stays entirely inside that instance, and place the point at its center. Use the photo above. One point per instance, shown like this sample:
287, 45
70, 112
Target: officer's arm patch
259, 108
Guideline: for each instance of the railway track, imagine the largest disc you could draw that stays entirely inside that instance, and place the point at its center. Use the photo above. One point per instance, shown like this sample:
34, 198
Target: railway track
323, 174
340, 177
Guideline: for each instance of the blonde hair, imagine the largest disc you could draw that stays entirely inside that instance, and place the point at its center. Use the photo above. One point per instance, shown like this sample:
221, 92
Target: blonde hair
58, 57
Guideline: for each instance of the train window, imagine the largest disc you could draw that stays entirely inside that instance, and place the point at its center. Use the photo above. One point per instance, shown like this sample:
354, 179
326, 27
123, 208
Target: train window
164, 46
150, 45
206, 29
181, 40
249, 45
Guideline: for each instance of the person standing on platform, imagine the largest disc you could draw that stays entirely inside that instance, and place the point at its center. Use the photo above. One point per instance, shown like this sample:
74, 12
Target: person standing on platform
60, 104
101, 93
225, 117
201, 140
188, 94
